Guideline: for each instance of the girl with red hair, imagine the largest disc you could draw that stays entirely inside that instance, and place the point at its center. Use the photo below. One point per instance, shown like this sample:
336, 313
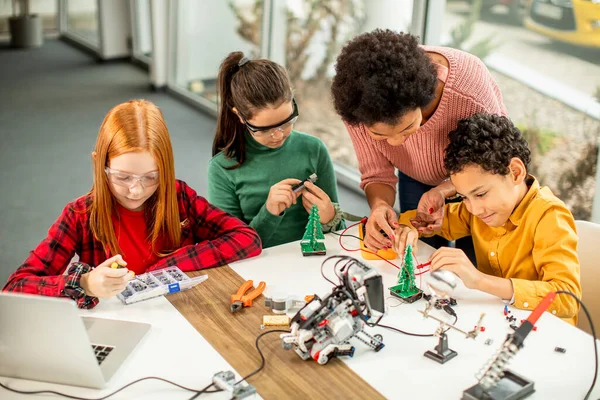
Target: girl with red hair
136, 214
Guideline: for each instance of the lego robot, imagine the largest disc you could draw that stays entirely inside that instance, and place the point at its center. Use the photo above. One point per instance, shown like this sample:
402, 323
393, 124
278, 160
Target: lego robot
323, 328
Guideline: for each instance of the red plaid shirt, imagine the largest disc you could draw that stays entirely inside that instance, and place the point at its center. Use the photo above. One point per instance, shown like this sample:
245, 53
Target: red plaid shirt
209, 237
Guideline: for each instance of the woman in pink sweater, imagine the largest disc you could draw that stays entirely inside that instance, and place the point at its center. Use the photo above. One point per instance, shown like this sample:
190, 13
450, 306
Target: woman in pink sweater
399, 101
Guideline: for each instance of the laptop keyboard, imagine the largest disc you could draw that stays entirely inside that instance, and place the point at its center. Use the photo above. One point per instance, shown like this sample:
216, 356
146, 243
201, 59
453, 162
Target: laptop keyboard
101, 352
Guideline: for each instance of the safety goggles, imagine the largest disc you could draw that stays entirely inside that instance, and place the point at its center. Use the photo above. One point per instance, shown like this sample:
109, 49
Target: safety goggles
130, 180
283, 126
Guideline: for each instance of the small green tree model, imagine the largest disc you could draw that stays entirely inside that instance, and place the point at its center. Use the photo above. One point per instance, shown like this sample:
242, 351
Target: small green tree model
312, 242
406, 288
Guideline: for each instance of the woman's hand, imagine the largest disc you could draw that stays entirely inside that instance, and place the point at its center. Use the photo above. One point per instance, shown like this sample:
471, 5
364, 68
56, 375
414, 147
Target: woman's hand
430, 211
281, 197
314, 195
104, 281
382, 218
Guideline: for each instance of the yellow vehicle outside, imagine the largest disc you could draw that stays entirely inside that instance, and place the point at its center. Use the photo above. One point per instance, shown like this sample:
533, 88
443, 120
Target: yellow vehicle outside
571, 21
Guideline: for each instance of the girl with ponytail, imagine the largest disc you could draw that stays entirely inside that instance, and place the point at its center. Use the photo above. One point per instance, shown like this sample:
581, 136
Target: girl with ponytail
258, 157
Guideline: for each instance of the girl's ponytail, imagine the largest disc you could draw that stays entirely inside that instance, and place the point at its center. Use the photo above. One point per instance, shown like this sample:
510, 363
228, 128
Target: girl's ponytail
230, 131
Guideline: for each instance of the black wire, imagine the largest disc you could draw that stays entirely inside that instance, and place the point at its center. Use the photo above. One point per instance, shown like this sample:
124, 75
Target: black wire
406, 333
323, 273
419, 334
340, 258
589, 317
205, 391
454, 323
198, 392
346, 235
262, 357
335, 268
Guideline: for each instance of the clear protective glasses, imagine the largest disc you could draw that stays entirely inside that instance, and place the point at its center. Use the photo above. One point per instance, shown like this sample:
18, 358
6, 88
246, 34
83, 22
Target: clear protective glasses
130, 180
283, 126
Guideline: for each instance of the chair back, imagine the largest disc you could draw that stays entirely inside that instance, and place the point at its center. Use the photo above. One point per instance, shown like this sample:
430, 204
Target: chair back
588, 251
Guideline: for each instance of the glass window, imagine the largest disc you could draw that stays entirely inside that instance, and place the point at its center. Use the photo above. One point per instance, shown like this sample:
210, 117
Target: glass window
82, 20
206, 33
46, 9
311, 53
314, 35
142, 43
545, 57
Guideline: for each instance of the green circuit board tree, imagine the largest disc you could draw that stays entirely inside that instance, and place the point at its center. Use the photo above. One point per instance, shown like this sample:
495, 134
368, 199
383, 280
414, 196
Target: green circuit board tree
313, 241
406, 288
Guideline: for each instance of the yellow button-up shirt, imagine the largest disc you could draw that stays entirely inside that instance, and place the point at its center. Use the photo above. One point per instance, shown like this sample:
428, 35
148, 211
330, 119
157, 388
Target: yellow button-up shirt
536, 248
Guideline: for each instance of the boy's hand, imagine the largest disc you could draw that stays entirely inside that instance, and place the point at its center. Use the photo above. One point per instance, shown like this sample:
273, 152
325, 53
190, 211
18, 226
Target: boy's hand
405, 235
455, 260
281, 197
383, 217
104, 281
430, 212
312, 194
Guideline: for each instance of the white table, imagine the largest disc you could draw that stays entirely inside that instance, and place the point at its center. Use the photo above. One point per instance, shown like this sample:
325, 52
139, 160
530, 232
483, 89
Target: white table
400, 370
174, 350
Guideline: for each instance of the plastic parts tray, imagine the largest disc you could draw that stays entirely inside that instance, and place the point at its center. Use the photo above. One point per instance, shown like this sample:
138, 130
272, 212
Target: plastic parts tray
158, 283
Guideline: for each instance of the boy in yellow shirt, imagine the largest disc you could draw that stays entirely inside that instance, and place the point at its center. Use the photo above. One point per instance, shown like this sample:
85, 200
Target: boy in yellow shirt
524, 236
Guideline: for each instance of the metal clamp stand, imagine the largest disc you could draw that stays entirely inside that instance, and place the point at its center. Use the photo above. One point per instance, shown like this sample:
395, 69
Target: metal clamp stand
442, 352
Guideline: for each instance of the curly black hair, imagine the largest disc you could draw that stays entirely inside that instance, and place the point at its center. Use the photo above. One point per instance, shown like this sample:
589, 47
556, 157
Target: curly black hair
380, 76
487, 140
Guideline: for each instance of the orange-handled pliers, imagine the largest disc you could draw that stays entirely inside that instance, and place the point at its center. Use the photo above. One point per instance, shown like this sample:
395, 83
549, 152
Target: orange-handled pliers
240, 299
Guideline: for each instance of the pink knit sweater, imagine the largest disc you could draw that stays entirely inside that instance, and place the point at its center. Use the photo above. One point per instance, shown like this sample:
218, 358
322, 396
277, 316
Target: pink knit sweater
469, 89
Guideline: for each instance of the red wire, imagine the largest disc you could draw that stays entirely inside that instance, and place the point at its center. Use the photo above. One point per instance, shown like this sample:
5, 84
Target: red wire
419, 266
367, 251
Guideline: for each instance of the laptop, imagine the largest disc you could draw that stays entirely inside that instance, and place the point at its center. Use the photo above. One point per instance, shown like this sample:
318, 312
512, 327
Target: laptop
45, 339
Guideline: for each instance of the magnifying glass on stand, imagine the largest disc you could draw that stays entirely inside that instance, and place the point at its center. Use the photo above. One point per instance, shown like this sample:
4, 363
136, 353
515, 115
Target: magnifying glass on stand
441, 284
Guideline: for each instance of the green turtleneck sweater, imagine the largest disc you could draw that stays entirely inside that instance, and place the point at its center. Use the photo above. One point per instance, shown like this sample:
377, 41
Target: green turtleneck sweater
243, 191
